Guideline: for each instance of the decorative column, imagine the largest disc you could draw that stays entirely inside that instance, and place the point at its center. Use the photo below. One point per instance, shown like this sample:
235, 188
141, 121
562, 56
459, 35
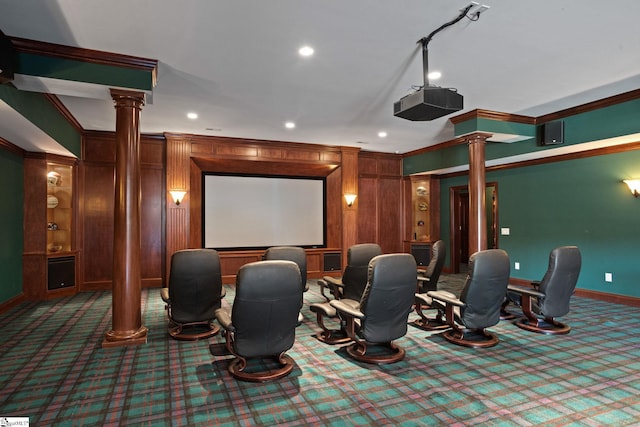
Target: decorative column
127, 277
477, 190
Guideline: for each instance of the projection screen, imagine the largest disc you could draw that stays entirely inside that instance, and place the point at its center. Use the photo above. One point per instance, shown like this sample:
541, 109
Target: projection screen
250, 212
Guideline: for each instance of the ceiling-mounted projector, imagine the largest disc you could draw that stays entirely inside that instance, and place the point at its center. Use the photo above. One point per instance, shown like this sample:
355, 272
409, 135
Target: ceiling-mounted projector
431, 102
428, 104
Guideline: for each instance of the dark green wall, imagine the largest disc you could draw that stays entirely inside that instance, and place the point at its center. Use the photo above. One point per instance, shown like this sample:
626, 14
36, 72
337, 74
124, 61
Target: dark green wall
609, 122
11, 218
576, 202
39, 111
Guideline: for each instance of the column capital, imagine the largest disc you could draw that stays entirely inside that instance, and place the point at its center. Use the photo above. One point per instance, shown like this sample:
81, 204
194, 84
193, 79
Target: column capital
128, 98
477, 137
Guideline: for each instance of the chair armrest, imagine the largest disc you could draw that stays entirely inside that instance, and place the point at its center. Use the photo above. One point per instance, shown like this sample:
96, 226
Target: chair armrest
334, 286
424, 299
224, 318
164, 294
333, 281
446, 297
428, 300
525, 291
346, 309
323, 308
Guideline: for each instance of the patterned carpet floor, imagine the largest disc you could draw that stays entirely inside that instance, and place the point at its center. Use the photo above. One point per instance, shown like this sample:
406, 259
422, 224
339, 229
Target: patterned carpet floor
55, 372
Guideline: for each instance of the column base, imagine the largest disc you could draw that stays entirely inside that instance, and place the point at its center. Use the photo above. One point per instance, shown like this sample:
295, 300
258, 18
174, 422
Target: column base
125, 338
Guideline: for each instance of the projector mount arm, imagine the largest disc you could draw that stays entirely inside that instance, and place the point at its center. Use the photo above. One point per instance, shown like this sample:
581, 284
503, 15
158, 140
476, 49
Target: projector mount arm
425, 41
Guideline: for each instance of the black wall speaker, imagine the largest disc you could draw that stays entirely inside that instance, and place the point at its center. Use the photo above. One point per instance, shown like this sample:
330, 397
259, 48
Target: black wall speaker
553, 133
422, 254
61, 272
332, 262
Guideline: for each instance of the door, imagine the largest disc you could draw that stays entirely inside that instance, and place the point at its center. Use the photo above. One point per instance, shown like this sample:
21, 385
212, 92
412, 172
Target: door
459, 220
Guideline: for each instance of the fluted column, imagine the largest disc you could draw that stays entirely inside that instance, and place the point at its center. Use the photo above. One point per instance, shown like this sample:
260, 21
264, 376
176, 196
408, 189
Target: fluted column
477, 190
127, 276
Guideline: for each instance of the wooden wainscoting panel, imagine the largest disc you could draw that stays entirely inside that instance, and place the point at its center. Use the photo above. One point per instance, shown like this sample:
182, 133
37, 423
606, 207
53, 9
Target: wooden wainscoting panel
98, 205
390, 214
367, 210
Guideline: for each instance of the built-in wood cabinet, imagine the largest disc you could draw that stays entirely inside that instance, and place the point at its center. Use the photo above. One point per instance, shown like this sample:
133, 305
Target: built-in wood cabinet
59, 207
49, 258
422, 215
380, 200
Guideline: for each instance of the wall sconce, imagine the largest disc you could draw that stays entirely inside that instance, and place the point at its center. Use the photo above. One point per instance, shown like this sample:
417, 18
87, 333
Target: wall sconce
634, 186
350, 198
177, 196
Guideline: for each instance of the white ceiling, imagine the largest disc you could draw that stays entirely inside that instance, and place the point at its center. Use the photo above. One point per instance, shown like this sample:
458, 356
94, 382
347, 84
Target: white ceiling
235, 62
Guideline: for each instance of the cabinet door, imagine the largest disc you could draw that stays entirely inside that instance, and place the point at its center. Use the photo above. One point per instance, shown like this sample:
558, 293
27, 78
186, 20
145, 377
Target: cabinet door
59, 208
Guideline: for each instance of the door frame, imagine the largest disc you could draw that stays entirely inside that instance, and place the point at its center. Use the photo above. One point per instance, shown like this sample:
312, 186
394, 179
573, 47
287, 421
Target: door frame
455, 236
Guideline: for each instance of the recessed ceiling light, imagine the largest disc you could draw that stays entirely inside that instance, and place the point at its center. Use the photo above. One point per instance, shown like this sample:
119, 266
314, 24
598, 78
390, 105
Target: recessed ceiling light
192, 116
306, 51
289, 125
382, 134
434, 75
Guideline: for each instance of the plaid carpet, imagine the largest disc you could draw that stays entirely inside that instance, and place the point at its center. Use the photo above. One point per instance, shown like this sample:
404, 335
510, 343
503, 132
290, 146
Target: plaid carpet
55, 372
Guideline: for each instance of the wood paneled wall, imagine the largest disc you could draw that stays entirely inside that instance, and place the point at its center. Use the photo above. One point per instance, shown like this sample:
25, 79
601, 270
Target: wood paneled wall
381, 200
176, 161
97, 189
193, 155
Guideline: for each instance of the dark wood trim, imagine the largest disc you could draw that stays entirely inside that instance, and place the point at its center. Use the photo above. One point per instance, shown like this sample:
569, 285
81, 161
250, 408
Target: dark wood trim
570, 156
493, 115
12, 302
11, 147
62, 109
587, 293
86, 55
516, 118
622, 148
439, 146
607, 297
591, 106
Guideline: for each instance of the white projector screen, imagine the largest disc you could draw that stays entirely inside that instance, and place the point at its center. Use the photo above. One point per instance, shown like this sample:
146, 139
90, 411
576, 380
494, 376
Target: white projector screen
247, 212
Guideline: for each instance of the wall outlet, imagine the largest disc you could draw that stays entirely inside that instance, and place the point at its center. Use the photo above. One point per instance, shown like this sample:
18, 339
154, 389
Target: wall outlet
516, 265
505, 231
608, 277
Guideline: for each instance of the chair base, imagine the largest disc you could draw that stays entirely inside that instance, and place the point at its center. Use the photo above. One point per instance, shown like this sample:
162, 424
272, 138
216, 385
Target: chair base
505, 315
237, 370
359, 352
546, 326
332, 337
429, 324
471, 338
182, 332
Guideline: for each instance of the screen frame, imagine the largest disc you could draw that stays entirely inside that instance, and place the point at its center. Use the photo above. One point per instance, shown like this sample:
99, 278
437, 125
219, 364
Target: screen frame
323, 179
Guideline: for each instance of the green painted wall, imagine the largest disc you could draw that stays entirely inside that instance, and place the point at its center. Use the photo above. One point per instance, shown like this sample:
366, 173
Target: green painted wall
613, 121
80, 71
576, 202
39, 111
11, 218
